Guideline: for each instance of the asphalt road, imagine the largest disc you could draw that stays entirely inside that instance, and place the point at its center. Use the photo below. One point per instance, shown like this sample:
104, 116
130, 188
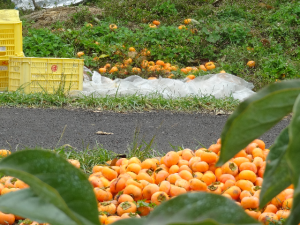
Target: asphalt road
50, 128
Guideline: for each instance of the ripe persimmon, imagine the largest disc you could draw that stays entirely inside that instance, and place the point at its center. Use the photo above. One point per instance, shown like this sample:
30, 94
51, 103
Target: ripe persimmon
7, 219
159, 197
107, 207
171, 158
126, 207
149, 190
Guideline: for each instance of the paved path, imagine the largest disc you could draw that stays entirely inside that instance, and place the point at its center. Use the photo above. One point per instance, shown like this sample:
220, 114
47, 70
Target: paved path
20, 128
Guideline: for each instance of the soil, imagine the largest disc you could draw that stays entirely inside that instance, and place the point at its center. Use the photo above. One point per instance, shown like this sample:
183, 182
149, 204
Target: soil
47, 17
50, 128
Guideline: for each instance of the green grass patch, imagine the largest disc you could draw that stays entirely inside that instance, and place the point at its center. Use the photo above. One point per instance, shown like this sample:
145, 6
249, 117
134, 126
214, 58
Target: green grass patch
224, 32
118, 104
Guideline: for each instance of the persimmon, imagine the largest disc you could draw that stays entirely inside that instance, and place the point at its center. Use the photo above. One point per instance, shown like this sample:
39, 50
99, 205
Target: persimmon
209, 157
144, 210
126, 207
112, 219
174, 169
156, 22
165, 186
185, 167
113, 27
159, 197
114, 69
4, 152
107, 207
184, 174
288, 203
260, 144
134, 182
183, 183
149, 190
251, 64
247, 175
74, 162
270, 208
102, 218
234, 192
134, 167
161, 176
210, 66
225, 177
266, 218
228, 184
209, 178
187, 154
244, 184
283, 214
187, 21
202, 67
250, 202
230, 168
248, 166
214, 148
191, 77
200, 167
133, 191
95, 181
149, 164
79, 54
109, 173
175, 190
102, 195
197, 185
253, 214
182, 27
7, 219
214, 189
125, 198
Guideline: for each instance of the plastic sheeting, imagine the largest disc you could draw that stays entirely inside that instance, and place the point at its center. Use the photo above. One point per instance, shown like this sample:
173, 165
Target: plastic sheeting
27, 4
219, 85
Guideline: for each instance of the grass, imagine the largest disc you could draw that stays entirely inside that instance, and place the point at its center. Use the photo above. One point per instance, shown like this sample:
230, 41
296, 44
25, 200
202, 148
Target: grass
225, 29
224, 32
118, 104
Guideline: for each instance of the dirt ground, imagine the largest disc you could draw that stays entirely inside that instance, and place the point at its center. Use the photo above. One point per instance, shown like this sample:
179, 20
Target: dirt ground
47, 17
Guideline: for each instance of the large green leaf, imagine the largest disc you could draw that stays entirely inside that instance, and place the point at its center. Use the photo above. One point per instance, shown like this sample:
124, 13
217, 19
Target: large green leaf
197, 208
256, 115
276, 176
293, 158
25, 202
55, 181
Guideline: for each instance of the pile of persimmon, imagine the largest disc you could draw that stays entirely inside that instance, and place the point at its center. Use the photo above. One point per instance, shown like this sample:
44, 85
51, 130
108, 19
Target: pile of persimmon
153, 69
118, 187
121, 186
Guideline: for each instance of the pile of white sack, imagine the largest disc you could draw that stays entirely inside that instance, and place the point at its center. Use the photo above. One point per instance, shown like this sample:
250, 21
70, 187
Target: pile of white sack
218, 85
28, 4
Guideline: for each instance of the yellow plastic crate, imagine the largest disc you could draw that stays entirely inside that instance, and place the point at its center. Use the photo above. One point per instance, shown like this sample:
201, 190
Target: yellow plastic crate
45, 74
4, 68
11, 40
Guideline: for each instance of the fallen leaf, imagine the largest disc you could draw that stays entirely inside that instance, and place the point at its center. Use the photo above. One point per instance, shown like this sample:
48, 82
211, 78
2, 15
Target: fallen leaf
103, 133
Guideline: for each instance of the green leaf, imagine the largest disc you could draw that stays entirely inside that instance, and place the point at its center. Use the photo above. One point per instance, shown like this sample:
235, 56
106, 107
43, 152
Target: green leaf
22, 203
55, 181
103, 56
197, 208
256, 115
293, 158
276, 176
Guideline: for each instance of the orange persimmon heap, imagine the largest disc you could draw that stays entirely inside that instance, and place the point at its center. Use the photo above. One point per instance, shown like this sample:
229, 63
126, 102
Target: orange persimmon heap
120, 186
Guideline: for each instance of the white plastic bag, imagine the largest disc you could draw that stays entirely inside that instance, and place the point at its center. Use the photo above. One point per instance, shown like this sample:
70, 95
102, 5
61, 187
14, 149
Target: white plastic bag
218, 85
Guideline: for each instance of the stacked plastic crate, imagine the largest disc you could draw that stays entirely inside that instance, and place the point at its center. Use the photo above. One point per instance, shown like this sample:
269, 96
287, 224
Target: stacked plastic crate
11, 43
28, 73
